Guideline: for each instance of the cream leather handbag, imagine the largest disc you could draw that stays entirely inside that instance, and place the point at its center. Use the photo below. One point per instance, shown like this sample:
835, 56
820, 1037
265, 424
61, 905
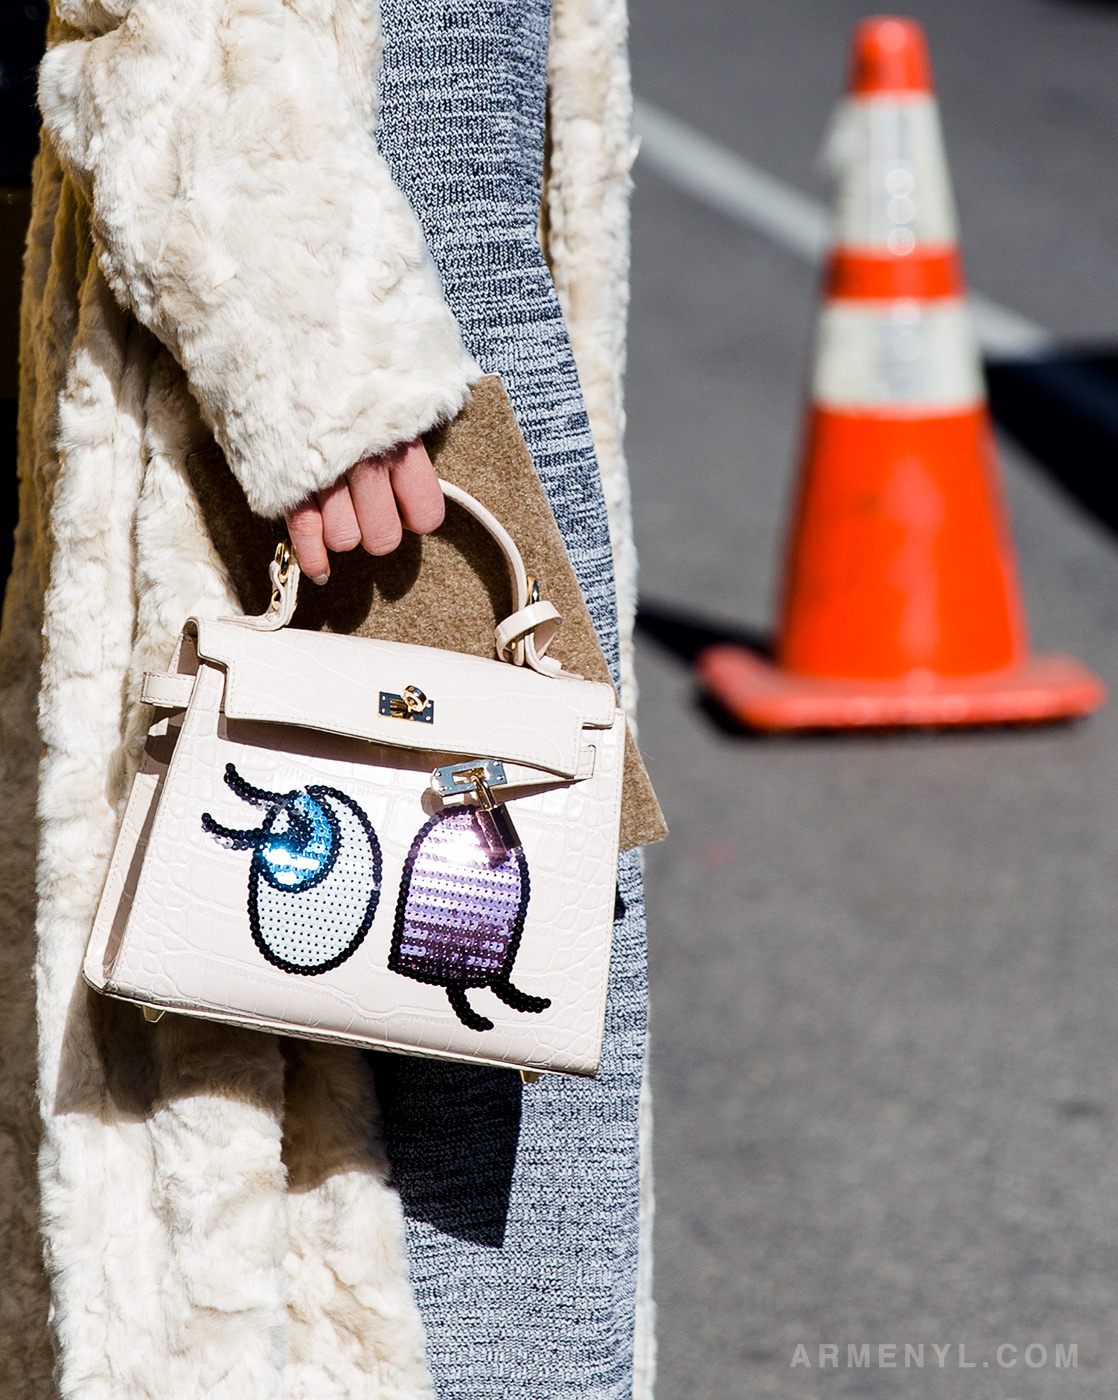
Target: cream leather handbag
373, 843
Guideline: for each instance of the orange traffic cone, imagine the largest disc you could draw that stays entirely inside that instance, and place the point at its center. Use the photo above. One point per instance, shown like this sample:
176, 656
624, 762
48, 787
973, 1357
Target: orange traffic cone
901, 603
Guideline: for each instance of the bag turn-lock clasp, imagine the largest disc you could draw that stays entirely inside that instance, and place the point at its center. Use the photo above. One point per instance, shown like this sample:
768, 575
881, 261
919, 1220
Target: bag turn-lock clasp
411, 703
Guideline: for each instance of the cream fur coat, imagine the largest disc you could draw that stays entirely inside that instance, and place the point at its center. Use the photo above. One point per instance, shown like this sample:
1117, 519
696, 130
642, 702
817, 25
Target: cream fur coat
217, 248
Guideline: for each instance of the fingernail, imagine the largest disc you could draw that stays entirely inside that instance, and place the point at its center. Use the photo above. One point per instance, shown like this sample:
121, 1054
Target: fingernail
320, 579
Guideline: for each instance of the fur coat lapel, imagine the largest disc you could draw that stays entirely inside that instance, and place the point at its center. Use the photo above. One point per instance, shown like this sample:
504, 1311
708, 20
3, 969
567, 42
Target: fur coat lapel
205, 1234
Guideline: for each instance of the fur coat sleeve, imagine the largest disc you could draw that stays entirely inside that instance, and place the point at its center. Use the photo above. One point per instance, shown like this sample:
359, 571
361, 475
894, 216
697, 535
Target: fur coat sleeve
245, 216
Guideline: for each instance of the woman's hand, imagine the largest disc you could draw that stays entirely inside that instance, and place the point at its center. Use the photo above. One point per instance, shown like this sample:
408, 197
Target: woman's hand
371, 505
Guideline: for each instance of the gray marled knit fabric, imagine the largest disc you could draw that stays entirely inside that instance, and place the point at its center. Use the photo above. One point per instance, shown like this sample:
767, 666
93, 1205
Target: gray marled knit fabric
521, 1203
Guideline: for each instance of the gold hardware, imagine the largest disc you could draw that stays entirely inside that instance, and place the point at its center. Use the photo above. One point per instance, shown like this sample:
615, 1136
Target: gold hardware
529, 1076
478, 776
410, 704
153, 1013
508, 652
479, 779
280, 571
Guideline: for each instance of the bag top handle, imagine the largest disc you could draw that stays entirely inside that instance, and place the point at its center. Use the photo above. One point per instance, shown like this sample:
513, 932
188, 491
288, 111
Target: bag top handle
521, 639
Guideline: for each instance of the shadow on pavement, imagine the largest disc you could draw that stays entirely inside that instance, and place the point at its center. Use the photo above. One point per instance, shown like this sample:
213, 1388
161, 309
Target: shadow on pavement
685, 633
1062, 409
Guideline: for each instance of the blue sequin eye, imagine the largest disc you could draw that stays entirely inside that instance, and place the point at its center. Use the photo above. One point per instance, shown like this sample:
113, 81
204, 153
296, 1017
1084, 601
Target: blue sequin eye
299, 854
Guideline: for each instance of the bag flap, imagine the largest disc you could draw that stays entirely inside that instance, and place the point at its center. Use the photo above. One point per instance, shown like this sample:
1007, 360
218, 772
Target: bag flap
339, 684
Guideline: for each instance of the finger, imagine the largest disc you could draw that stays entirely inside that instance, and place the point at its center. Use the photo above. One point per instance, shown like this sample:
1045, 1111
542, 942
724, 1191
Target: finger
304, 526
416, 486
370, 487
340, 530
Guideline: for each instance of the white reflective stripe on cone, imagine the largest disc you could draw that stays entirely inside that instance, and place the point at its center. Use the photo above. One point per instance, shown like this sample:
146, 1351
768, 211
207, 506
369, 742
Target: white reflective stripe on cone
919, 354
894, 190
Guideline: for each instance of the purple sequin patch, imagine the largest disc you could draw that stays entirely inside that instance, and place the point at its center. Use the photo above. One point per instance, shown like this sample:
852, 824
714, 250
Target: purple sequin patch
460, 915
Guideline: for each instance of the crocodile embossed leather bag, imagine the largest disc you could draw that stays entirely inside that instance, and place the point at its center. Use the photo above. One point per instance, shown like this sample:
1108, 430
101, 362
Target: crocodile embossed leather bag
373, 843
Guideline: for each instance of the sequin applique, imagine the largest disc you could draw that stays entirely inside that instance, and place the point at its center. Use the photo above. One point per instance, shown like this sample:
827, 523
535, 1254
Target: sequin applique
460, 915
315, 874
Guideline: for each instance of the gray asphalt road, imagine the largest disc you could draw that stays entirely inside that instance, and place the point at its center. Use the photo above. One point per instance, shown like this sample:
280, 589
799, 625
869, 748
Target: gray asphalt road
885, 971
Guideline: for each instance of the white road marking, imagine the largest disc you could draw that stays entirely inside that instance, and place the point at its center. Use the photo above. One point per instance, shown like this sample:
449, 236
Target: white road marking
721, 179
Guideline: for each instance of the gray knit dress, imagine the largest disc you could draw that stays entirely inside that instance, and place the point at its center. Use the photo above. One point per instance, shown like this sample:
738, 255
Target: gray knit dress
521, 1202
